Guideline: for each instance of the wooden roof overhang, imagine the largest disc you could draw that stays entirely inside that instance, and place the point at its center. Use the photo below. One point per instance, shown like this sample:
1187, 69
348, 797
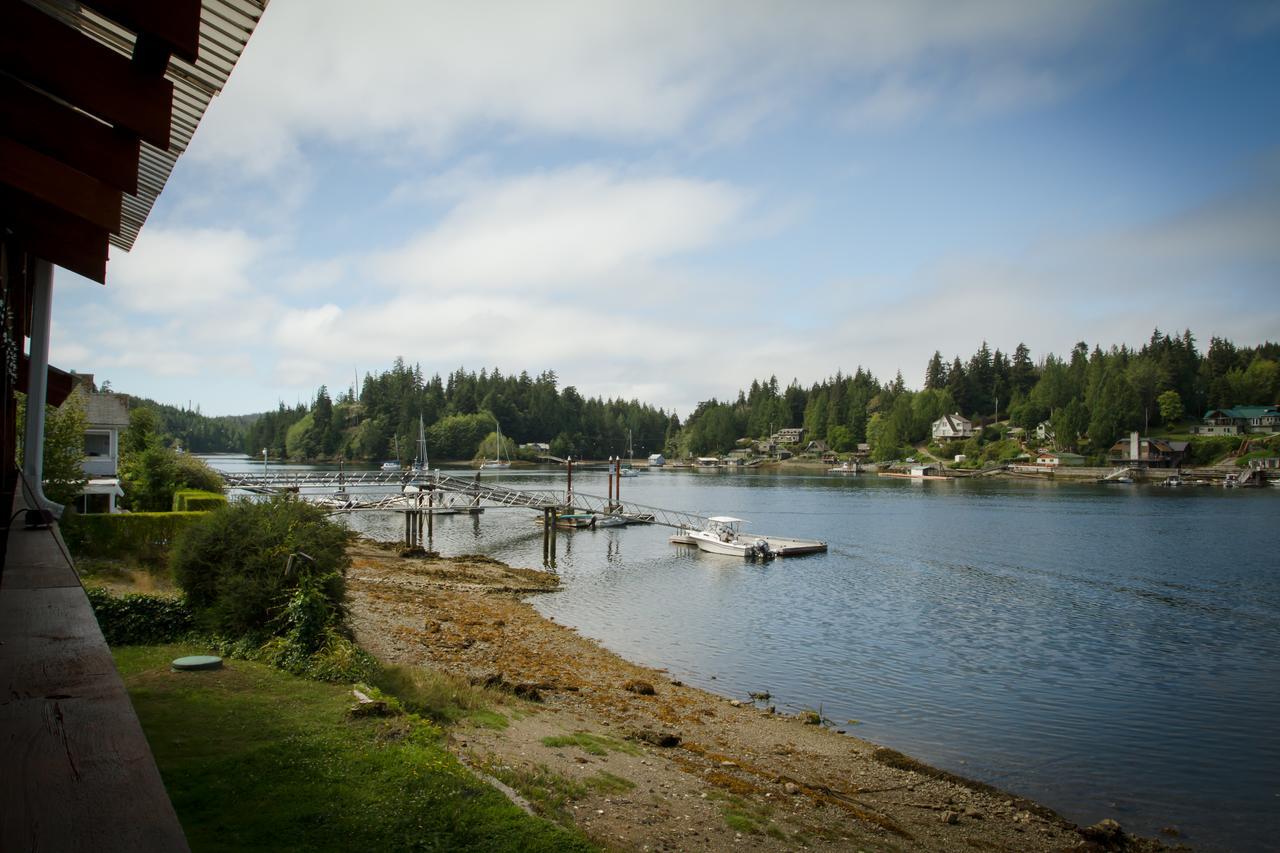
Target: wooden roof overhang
98, 99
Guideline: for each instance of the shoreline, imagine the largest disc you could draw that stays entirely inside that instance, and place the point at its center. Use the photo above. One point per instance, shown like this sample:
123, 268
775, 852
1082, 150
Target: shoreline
728, 770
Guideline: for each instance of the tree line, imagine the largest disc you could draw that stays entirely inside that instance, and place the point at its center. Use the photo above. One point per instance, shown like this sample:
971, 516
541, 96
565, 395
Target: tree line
1089, 397
461, 412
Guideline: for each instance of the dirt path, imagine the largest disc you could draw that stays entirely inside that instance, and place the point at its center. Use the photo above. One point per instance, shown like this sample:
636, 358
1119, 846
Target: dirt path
589, 741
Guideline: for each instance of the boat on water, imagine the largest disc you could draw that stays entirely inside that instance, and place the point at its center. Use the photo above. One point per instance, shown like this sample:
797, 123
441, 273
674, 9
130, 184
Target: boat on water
844, 468
628, 470
393, 464
723, 535
706, 462
607, 520
497, 461
573, 520
420, 463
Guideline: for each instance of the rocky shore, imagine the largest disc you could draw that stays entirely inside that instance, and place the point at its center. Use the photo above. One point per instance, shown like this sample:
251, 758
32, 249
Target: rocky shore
643, 762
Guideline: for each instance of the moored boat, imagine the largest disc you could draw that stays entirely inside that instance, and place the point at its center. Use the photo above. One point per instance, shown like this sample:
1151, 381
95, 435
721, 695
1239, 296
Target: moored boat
723, 535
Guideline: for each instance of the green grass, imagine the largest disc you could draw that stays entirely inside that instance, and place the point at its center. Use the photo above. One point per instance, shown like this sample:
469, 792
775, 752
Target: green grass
440, 696
547, 791
591, 744
605, 782
256, 759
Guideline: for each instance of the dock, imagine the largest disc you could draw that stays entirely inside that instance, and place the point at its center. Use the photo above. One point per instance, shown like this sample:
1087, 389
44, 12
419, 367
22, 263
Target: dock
444, 493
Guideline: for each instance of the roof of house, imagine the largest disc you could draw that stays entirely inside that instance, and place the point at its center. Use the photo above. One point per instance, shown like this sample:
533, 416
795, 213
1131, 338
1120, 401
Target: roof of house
956, 422
106, 410
1244, 412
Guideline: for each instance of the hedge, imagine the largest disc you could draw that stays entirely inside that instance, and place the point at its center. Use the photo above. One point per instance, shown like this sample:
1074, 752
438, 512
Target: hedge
139, 619
197, 500
144, 535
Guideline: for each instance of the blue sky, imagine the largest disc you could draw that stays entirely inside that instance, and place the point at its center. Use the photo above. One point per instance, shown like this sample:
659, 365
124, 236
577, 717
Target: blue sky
665, 201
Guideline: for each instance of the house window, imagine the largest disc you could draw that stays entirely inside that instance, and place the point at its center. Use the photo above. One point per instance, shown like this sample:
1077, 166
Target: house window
97, 444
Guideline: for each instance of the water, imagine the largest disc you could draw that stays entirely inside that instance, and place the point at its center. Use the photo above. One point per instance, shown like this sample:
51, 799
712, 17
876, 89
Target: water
1112, 651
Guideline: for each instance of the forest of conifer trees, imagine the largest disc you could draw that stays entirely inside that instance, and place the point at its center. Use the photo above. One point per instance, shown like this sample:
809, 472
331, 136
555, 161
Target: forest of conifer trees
1089, 397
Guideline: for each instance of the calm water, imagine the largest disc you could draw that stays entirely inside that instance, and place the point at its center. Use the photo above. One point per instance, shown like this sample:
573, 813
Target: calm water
1110, 651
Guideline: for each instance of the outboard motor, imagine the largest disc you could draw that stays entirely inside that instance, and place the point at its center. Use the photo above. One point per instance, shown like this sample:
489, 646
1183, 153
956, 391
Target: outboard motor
760, 548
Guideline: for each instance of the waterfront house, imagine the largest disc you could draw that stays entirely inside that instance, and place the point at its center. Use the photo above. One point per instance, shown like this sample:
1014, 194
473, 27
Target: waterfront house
1053, 459
1138, 452
790, 435
817, 446
106, 416
1239, 419
954, 427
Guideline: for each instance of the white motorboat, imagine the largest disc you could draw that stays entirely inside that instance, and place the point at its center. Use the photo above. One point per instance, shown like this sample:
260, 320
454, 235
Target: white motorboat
723, 535
391, 465
607, 520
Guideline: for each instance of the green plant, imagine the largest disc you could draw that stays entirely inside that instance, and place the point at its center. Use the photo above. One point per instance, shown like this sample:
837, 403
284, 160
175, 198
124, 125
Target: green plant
591, 744
243, 568
197, 500
138, 619
144, 536
439, 696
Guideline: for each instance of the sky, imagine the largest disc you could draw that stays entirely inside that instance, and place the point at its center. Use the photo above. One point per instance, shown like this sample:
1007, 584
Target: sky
666, 200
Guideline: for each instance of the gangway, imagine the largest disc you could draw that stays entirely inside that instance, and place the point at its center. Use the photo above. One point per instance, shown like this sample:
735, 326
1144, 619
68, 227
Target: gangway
476, 489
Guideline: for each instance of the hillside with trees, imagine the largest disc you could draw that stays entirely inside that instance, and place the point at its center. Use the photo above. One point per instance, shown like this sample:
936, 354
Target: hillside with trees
461, 412
1090, 397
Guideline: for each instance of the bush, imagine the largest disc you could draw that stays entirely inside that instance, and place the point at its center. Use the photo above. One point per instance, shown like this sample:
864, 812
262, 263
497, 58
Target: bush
151, 476
197, 500
232, 566
146, 536
1205, 450
137, 619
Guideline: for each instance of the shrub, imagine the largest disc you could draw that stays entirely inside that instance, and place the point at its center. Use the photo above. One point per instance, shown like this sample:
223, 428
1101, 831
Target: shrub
1204, 450
234, 567
145, 536
138, 619
151, 476
197, 500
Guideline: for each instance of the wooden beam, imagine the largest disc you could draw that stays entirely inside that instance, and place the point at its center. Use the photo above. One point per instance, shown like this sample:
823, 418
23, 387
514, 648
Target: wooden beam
51, 55
56, 236
57, 184
58, 383
176, 23
85, 144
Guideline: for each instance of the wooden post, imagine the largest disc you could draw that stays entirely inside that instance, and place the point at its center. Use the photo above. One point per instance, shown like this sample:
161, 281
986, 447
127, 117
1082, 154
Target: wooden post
617, 480
431, 497
546, 535
554, 517
609, 500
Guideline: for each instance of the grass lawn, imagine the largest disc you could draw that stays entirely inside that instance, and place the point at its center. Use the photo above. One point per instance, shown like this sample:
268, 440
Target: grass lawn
256, 759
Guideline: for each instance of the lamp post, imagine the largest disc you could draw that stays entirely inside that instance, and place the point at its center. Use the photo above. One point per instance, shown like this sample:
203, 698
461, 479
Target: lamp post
264, 462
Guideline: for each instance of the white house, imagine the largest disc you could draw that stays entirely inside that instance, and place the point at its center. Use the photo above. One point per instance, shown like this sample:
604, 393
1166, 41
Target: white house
106, 416
789, 435
952, 427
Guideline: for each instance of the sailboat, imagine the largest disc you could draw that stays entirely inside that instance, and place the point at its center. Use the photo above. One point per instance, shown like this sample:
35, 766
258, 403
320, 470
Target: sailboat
393, 465
497, 461
630, 470
420, 464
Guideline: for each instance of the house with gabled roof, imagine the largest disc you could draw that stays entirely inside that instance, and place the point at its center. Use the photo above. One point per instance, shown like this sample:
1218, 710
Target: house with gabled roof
953, 427
1239, 419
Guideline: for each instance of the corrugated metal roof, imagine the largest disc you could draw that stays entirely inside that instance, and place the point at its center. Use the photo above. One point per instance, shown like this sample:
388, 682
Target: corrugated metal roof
225, 27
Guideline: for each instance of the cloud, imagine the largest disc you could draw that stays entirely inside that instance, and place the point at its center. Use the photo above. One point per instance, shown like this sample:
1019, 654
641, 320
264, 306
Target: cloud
423, 76
564, 229
183, 269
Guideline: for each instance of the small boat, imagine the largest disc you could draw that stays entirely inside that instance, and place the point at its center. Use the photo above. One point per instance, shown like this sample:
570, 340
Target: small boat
607, 520
723, 535
1172, 482
844, 468
420, 463
497, 461
574, 520
706, 462
393, 465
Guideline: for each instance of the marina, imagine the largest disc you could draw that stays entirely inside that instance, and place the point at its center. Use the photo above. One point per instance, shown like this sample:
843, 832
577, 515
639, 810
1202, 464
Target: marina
1097, 648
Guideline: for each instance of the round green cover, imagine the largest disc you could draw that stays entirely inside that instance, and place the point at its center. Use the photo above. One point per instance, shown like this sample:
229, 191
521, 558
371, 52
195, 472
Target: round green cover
198, 662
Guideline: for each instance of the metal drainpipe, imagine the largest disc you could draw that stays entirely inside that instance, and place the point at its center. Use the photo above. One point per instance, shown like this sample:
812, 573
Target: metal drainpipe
37, 386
